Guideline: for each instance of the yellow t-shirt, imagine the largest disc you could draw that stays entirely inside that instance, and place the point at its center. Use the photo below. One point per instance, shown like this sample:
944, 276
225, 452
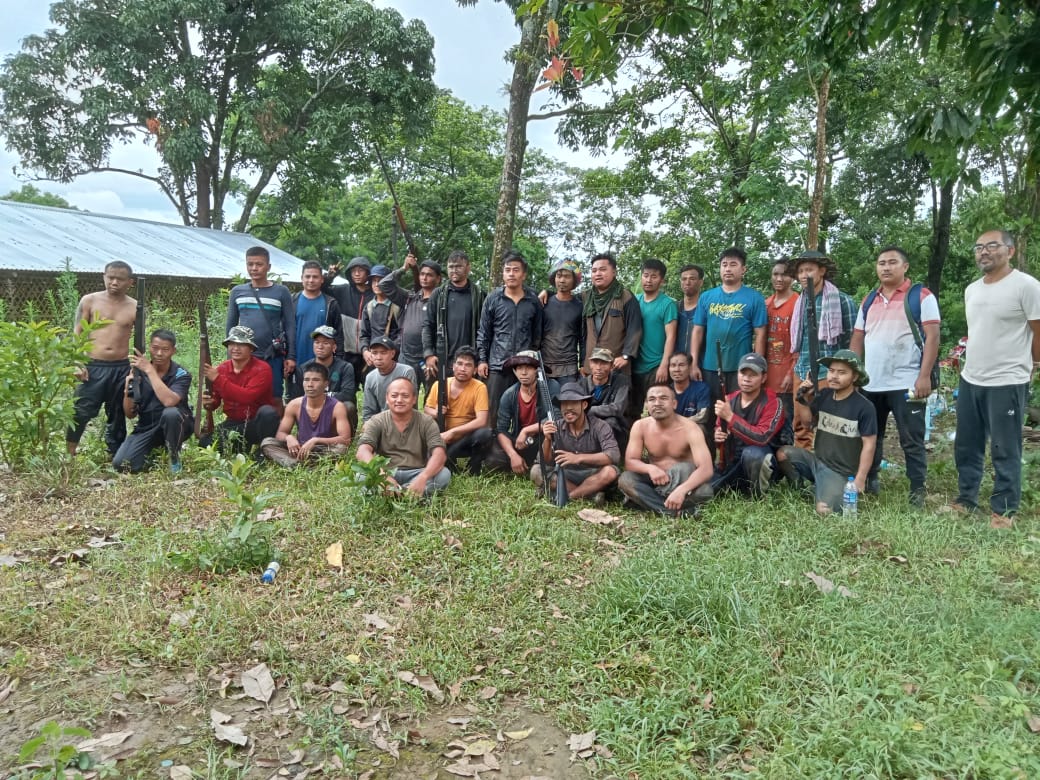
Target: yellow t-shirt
464, 408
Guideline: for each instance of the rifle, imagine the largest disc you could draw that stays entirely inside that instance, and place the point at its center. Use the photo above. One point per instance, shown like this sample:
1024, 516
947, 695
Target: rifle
137, 383
397, 206
203, 416
723, 425
560, 497
442, 372
814, 331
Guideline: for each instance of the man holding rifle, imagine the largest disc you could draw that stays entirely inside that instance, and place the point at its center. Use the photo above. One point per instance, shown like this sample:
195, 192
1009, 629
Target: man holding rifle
583, 448
466, 431
102, 379
163, 414
834, 313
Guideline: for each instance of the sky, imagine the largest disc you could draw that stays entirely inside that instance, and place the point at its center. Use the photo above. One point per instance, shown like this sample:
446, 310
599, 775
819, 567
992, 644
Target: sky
469, 49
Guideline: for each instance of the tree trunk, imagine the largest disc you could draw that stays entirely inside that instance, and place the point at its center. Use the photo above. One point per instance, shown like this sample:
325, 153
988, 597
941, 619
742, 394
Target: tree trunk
526, 67
942, 214
812, 239
203, 217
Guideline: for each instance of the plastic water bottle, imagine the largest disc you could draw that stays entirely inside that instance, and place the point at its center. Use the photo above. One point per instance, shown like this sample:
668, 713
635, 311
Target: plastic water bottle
850, 498
270, 572
936, 406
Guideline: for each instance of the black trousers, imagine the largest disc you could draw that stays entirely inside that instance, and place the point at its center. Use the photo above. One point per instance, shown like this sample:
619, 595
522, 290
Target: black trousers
171, 429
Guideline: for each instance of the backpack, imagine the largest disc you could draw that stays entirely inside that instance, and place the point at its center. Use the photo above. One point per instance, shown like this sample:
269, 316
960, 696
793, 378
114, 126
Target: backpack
390, 318
912, 307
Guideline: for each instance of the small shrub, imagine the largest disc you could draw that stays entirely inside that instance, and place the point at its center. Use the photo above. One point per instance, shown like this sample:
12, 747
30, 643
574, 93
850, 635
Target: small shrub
37, 377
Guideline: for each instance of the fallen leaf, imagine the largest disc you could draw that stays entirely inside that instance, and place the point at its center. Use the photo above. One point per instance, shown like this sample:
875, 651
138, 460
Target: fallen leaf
462, 769
423, 681
228, 733
271, 513
387, 747
181, 619
453, 542
104, 741
258, 683
352, 658
216, 717
372, 620
1033, 721
826, 586
488, 692
580, 742
900, 559
181, 773
480, 747
8, 689
598, 516
334, 555
404, 602
459, 721
1001, 522
708, 701
103, 541
10, 560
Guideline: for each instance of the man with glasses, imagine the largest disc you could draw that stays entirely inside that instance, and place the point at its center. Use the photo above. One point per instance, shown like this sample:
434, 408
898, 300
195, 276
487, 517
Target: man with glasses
1003, 312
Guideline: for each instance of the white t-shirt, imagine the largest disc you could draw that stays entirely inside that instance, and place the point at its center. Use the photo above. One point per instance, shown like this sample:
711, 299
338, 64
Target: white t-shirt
1000, 340
890, 353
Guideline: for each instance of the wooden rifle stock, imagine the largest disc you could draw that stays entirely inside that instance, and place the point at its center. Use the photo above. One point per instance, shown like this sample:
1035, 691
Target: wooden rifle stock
203, 416
560, 495
723, 425
442, 373
137, 384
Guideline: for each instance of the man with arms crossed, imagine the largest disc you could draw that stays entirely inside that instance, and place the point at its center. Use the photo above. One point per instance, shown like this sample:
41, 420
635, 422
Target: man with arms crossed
676, 477
410, 440
1003, 309
102, 379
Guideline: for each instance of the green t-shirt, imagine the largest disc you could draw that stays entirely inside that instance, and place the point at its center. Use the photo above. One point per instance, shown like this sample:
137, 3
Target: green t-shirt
656, 314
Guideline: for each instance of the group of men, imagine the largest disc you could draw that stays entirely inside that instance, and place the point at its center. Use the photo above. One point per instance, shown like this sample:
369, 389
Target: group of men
554, 386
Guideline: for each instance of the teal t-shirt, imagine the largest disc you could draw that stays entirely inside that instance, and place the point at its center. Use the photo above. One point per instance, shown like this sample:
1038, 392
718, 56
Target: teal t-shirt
656, 314
730, 318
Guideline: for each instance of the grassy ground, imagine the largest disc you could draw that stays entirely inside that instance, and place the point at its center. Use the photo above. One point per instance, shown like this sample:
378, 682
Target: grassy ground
692, 649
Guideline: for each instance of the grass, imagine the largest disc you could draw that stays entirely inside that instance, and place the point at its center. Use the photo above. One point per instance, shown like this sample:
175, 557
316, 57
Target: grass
693, 649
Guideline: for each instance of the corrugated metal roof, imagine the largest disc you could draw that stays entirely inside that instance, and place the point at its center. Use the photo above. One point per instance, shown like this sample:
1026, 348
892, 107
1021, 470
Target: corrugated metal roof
39, 238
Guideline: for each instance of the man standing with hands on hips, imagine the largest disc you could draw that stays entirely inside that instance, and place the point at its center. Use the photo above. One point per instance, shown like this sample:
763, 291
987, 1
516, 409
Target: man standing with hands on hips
1003, 312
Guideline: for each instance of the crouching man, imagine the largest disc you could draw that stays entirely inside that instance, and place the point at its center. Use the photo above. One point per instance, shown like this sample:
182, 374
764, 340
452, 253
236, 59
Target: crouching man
846, 433
675, 479
585, 449
754, 419
242, 383
163, 415
409, 439
320, 419
466, 430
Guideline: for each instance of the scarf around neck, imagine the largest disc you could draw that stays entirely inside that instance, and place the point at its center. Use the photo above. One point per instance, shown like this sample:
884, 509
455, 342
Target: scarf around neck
597, 302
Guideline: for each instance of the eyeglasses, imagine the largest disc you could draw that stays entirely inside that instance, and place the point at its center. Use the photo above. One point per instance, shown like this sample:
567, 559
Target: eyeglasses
992, 246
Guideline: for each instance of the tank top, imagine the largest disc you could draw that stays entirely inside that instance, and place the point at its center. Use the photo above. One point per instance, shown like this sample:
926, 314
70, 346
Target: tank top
321, 429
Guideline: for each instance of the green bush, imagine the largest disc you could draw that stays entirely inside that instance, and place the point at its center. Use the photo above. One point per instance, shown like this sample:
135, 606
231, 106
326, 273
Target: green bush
37, 377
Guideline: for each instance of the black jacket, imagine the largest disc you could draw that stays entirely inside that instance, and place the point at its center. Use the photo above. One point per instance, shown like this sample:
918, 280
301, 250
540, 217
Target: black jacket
507, 328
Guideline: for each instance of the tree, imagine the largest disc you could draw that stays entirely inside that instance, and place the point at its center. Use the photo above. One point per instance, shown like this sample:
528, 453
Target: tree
30, 194
232, 95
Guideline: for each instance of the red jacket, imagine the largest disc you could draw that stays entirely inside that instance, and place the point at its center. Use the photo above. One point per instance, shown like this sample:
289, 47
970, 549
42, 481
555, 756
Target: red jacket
243, 393
759, 424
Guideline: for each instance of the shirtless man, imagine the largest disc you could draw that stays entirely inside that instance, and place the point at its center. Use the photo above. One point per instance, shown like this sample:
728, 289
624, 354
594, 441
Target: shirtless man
676, 477
101, 380
320, 420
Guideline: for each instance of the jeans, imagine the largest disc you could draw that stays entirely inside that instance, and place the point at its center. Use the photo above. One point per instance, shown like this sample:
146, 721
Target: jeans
742, 473
439, 481
646, 494
995, 413
830, 485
